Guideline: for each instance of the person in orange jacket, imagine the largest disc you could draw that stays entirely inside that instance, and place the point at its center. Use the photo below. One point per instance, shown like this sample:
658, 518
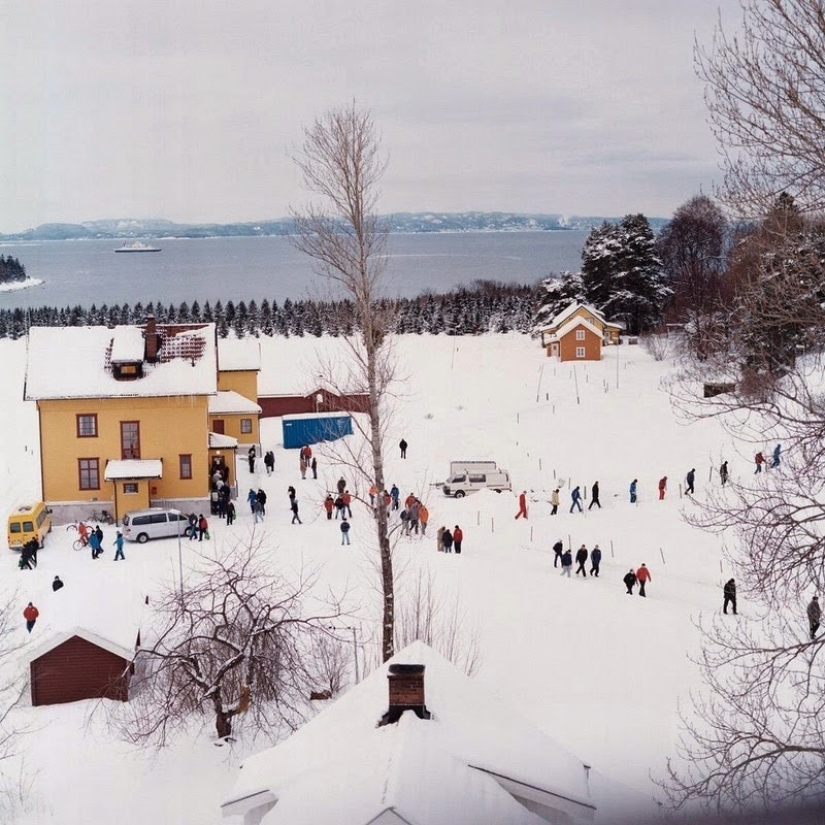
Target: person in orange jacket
347, 498
423, 518
522, 505
662, 487
373, 494
458, 537
30, 614
329, 504
643, 576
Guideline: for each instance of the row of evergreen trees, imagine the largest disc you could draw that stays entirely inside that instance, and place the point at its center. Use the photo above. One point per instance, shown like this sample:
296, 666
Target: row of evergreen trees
484, 307
11, 269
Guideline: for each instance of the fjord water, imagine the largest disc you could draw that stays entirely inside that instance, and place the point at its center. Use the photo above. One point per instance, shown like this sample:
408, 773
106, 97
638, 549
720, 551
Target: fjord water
209, 269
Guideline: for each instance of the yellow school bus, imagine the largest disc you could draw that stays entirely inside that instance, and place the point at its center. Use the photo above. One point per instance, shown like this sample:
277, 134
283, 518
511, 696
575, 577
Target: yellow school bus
28, 522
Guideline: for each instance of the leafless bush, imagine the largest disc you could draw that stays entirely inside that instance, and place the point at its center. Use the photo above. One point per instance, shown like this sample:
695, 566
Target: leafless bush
656, 345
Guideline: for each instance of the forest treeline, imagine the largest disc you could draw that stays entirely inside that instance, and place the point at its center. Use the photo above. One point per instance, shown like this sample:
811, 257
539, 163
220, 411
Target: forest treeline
484, 306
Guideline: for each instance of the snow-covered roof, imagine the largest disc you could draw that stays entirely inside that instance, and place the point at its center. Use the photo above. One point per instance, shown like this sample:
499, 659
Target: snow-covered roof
118, 469
570, 310
572, 324
76, 362
313, 416
127, 345
341, 768
239, 354
229, 401
219, 441
111, 620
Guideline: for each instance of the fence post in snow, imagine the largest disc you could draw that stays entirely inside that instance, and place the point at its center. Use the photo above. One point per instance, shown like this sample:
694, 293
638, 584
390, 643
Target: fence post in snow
531, 533
539, 465
478, 518
720, 566
493, 525
680, 489
611, 548
569, 542
662, 555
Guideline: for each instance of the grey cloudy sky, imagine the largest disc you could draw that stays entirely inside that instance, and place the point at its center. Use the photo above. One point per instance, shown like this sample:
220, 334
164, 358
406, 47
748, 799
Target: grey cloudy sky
188, 109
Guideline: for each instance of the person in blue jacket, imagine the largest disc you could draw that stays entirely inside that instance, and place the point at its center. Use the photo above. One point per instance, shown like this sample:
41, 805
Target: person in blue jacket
576, 498
566, 563
633, 490
345, 531
777, 450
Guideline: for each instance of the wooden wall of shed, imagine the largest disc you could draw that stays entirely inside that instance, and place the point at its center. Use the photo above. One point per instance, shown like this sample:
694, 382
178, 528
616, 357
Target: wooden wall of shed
78, 669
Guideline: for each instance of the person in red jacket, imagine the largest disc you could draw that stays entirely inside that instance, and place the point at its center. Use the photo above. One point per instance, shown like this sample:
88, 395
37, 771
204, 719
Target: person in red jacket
662, 487
458, 537
522, 505
30, 614
329, 504
642, 576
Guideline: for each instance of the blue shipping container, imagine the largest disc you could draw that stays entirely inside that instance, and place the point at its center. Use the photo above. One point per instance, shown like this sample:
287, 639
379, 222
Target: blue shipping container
310, 428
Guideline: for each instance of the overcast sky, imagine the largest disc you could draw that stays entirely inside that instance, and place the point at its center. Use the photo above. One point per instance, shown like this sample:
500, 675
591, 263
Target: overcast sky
189, 109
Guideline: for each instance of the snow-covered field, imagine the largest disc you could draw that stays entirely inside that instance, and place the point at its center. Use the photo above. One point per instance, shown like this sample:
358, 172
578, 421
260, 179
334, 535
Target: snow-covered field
600, 671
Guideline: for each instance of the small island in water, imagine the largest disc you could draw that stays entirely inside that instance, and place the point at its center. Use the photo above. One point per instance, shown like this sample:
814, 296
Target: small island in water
11, 270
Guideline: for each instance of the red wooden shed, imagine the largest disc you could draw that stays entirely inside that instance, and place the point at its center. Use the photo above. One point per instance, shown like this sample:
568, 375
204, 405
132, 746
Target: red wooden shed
78, 664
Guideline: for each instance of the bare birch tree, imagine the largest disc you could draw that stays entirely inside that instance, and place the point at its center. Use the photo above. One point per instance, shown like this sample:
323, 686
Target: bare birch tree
342, 163
765, 93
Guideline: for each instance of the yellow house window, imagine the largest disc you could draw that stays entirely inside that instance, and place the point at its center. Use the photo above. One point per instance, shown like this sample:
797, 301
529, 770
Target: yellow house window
246, 425
130, 488
185, 463
88, 471
87, 426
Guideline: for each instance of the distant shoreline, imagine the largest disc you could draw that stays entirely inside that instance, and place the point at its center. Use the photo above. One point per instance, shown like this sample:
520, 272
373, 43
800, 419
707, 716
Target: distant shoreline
14, 286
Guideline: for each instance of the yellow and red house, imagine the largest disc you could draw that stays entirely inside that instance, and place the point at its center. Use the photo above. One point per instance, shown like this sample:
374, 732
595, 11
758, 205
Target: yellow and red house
124, 416
578, 333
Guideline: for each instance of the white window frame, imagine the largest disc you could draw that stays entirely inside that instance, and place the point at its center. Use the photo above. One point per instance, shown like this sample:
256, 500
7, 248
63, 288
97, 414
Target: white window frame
580, 335
581, 352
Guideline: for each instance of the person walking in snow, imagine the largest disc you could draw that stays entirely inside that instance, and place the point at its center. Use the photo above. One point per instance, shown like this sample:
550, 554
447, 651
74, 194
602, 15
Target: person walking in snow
230, 513
581, 560
57, 584
594, 496
558, 549
294, 508
250, 457
814, 616
447, 540
554, 501
759, 460
314, 466
690, 478
373, 492
522, 505
30, 614
723, 473
193, 526
402, 445
257, 511
629, 581
94, 543
261, 498
394, 494
269, 462
662, 487
342, 485
118, 543
729, 594
566, 563
423, 520
595, 561
203, 527
344, 532
576, 499
643, 577
329, 506
458, 537
633, 490
347, 499
775, 458
251, 498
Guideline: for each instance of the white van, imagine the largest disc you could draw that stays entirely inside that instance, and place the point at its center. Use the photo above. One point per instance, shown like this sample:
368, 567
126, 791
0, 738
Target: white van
464, 482
154, 523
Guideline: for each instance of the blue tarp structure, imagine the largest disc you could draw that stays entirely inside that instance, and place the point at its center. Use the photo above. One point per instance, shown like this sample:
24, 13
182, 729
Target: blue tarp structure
310, 428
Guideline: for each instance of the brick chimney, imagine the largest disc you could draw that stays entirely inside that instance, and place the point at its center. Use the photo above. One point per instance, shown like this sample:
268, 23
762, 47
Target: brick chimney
152, 340
406, 687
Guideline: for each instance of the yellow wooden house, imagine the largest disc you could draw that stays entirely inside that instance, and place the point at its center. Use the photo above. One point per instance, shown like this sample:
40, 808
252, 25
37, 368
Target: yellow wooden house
579, 331
124, 416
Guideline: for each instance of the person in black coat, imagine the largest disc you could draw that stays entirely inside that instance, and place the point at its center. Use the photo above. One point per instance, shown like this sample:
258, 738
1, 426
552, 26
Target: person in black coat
402, 445
566, 563
558, 549
581, 560
262, 501
447, 541
729, 592
689, 479
629, 581
595, 561
57, 584
594, 496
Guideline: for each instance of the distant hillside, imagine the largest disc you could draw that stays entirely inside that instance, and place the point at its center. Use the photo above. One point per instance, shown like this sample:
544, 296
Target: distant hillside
400, 222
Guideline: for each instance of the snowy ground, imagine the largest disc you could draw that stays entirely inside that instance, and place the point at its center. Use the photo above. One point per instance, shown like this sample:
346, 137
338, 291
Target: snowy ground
600, 671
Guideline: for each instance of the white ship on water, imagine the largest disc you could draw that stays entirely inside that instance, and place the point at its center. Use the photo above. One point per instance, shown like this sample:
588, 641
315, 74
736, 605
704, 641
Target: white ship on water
138, 246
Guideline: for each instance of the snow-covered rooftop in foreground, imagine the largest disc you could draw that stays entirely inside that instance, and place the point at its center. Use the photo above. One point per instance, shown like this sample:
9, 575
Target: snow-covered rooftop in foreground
75, 362
133, 468
341, 769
